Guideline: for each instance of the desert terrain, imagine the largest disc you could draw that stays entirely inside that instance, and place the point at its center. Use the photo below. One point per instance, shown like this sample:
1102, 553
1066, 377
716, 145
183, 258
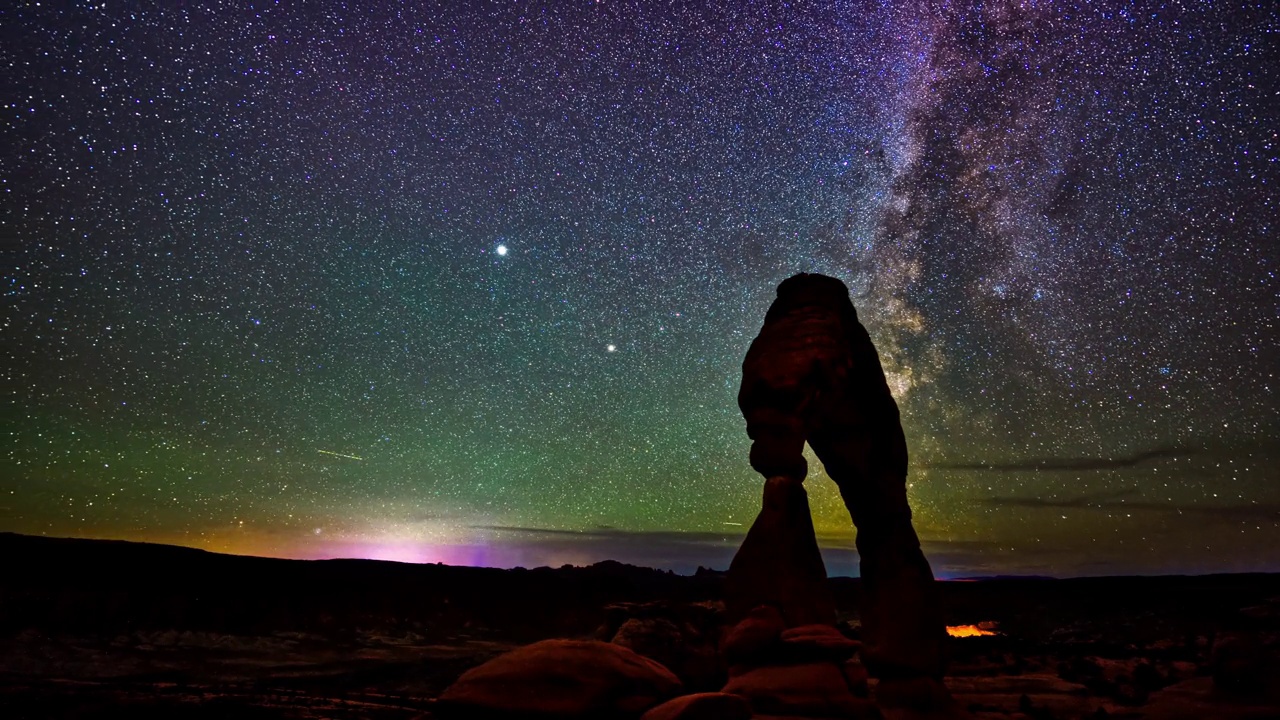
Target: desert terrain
91, 629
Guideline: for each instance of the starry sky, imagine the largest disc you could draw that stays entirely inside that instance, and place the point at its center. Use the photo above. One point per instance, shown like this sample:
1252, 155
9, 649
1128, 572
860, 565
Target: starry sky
472, 282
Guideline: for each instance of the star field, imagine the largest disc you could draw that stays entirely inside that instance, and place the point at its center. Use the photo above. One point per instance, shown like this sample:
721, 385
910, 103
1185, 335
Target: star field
473, 284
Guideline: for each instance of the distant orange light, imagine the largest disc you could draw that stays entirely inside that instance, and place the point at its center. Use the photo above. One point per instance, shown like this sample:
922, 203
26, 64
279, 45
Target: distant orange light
978, 630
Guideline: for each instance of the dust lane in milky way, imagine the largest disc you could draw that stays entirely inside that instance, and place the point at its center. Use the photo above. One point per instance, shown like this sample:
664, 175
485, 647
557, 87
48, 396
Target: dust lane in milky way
474, 284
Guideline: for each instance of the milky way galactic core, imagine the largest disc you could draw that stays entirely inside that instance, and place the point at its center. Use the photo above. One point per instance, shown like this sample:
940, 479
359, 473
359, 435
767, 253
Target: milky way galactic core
474, 284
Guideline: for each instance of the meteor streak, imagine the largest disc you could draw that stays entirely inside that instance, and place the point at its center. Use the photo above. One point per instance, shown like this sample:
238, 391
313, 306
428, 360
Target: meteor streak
337, 454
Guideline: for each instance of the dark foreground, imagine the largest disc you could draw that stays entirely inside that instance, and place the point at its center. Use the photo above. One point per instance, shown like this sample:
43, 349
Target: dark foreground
91, 628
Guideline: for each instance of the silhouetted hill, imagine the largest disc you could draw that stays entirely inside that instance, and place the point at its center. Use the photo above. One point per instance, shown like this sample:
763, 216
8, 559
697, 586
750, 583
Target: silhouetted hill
105, 585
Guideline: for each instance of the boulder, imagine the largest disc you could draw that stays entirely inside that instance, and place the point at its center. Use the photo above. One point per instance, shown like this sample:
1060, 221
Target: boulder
817, 642
855, 673
807, 689
560, 679
702, 706
655, 638
755, 637
1263, 617
1239, 662
681, 648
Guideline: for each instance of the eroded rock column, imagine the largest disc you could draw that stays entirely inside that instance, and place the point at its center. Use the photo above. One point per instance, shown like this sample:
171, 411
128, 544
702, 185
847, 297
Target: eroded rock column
779, 564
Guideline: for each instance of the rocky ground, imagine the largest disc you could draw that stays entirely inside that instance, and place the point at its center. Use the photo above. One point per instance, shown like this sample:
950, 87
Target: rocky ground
90, 629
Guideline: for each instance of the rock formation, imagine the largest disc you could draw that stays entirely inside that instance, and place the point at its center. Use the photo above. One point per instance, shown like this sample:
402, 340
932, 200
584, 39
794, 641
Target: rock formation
560, 679
702, 706
779, 565
813, 375
680, 636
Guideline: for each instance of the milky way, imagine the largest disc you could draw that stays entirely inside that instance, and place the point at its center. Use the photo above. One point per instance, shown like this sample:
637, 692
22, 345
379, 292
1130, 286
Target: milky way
474, 285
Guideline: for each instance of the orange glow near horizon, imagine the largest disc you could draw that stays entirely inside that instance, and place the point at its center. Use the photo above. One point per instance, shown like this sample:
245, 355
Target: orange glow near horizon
979, 630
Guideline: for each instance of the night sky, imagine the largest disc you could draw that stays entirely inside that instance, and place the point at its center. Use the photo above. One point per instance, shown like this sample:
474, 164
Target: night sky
474, 284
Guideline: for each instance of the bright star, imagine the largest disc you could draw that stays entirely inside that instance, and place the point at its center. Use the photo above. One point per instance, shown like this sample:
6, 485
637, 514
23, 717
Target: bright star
502, 249
611, 348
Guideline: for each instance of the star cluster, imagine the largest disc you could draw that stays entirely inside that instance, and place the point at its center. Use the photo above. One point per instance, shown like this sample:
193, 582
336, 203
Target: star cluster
472, 282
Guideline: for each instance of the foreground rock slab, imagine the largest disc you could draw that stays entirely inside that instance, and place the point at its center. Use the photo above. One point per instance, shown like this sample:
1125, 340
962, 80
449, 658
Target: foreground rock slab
918, 698
560, 679
818, 641
1197, 699
805, 690
702, 706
